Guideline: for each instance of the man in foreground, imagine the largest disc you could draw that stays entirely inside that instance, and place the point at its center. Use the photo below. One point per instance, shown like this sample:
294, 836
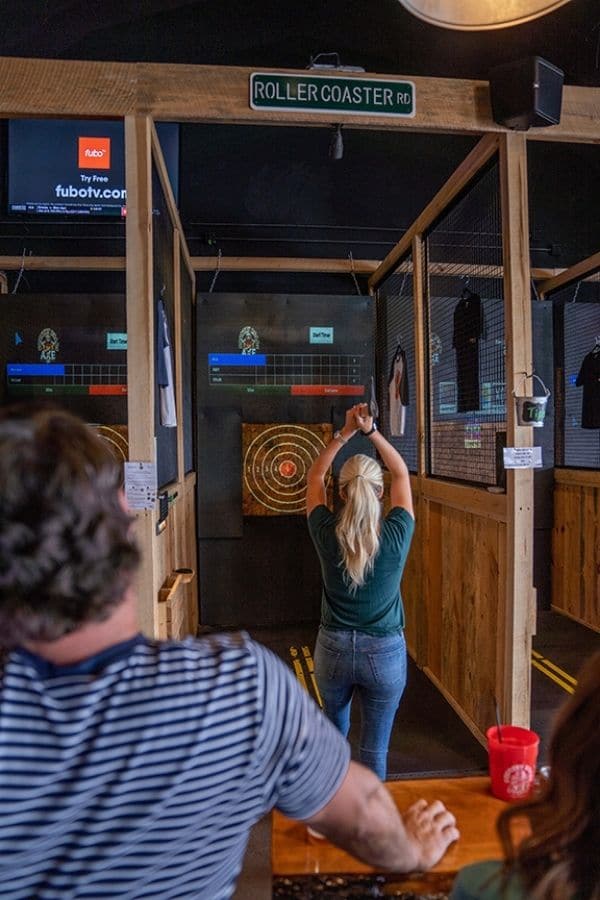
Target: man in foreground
131, 767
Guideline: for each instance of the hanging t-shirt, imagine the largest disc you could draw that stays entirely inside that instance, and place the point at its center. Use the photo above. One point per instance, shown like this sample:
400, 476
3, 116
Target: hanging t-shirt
164, 370
398, 393
589, 380
469, 327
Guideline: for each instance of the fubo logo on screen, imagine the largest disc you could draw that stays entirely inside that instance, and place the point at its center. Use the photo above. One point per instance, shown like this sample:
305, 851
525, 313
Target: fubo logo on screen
94, 153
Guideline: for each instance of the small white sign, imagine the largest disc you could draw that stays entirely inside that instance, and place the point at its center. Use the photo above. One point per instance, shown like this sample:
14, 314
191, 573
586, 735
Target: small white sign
522, 457
140, 484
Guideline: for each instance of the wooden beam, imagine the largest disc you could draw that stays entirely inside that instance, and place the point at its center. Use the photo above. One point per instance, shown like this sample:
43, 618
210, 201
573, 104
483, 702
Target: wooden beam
55, 87
477, 501
459, 179
283, 264
578, 477
514, 674
140, 348
584, 268
63, 263
196, 263
265, 264
220, 95
163, 176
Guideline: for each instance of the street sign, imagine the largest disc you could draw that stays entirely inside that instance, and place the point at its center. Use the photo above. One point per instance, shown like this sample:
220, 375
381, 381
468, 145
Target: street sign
332, 94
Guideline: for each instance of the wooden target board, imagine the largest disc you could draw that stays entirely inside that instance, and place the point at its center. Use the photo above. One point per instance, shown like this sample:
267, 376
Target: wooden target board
116, 436
276, 459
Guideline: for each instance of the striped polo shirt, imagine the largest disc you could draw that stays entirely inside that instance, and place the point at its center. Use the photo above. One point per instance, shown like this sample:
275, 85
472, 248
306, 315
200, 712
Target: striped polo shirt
140, 772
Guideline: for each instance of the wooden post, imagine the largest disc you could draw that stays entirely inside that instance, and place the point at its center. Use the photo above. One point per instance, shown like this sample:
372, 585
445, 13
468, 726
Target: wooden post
140, 344
514, 679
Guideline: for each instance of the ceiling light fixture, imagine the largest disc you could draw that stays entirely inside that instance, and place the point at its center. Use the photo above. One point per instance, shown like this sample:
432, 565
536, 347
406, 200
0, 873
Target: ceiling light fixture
480, 15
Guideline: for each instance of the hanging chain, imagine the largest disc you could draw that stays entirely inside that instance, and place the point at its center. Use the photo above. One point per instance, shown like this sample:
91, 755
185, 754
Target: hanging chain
353, 273
216, 275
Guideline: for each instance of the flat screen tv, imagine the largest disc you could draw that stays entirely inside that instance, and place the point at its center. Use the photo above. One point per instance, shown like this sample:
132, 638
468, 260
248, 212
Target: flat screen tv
70, 349
75, 167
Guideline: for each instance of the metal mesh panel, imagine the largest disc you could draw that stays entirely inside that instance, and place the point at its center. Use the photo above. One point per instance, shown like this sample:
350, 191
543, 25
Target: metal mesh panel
396, 364
577, 316
465, 329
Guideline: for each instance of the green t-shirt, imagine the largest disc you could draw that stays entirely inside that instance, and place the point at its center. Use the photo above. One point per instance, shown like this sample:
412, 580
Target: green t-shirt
484, 881
376, 607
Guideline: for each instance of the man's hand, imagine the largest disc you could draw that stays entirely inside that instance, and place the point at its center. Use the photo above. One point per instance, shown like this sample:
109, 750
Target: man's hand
362, 818
431, 828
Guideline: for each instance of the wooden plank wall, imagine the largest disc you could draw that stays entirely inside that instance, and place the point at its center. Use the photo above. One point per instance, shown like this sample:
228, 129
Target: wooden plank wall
576, 546
454, 595
412, 586
465, 582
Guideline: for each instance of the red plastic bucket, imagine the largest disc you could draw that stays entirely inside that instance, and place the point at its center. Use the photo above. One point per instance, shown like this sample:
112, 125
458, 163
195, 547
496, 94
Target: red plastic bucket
512, 761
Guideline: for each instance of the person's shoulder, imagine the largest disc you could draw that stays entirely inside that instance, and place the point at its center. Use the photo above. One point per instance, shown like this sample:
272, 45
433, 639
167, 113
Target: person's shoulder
320, 520
398, 513
320, 513
399, 518
486, 881
206, 651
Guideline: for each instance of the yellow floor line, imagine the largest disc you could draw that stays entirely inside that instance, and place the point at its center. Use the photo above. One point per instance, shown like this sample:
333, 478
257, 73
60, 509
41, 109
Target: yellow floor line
560, 672
298, 668
549, 674
297, 662
300, 673
311, 671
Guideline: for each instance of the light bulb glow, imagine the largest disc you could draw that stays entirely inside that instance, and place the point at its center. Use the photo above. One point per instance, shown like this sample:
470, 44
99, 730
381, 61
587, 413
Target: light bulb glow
480, 15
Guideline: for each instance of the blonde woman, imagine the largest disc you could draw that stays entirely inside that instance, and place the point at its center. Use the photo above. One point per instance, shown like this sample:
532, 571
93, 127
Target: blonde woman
360, 647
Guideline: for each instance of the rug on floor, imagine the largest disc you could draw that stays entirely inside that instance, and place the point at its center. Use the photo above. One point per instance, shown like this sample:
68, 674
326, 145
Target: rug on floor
344, 887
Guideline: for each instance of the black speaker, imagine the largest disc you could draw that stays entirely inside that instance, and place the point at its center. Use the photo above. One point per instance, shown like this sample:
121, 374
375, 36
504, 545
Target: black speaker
526, 92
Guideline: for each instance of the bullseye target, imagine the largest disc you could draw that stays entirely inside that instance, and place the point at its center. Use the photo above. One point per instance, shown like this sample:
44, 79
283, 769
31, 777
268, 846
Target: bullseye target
276, 459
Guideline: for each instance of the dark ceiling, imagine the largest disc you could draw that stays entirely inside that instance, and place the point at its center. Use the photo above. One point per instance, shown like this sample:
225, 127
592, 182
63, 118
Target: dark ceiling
379, 35
274, 191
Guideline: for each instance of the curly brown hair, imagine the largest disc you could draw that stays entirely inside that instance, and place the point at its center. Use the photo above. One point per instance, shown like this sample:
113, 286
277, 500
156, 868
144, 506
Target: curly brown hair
561, 856
67, 552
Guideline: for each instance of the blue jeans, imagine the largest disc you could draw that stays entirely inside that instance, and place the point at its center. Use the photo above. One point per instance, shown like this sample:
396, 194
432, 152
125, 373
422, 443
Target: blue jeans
348, 662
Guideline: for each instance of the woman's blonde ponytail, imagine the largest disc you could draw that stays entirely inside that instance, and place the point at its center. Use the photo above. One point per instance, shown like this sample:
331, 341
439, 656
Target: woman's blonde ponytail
357, 528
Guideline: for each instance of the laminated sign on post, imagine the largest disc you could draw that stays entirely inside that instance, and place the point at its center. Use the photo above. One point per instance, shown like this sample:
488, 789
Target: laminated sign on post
522, 457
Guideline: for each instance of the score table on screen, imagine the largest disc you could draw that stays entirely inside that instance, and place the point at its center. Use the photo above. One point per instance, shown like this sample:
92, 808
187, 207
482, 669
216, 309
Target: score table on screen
297, 374
102, 379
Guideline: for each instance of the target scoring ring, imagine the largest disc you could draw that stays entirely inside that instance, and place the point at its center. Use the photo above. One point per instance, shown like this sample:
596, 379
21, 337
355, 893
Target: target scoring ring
276, 463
